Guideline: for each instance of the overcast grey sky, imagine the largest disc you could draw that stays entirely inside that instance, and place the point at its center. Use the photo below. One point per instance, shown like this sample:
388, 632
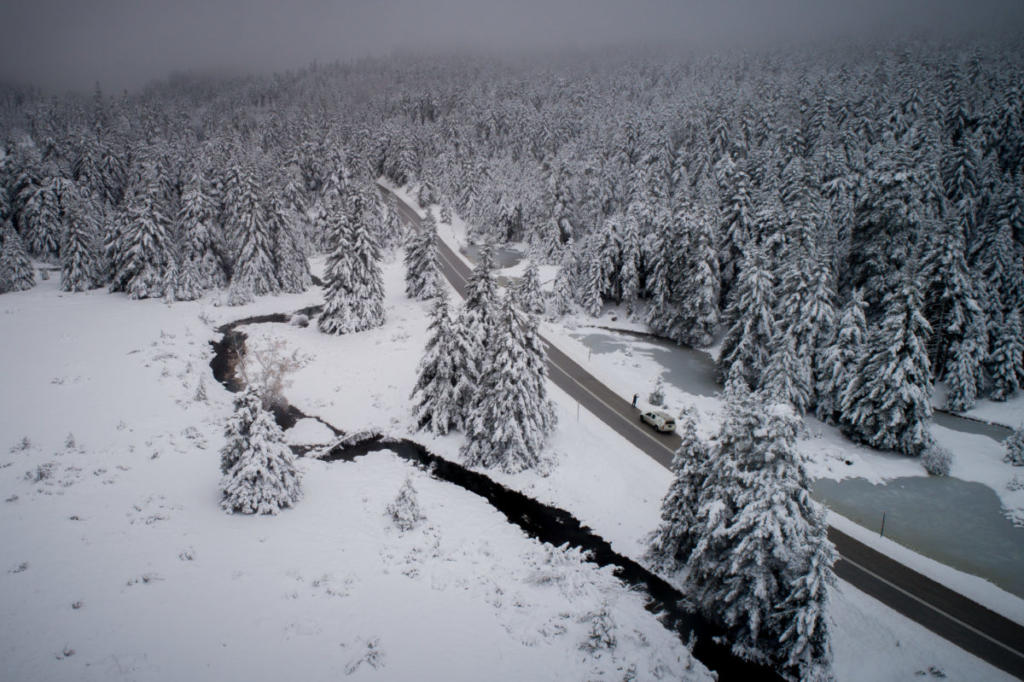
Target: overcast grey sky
124, 43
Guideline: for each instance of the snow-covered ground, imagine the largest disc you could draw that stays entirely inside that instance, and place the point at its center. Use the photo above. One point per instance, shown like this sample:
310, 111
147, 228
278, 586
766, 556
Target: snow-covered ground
118, 562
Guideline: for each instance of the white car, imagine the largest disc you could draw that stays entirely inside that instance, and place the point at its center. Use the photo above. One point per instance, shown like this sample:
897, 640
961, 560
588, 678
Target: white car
659, 420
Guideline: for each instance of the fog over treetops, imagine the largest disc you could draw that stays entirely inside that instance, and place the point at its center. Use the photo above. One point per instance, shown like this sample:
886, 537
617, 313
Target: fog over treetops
61, 44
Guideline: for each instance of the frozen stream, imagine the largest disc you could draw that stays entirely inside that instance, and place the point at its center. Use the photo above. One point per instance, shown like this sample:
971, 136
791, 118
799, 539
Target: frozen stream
957, 522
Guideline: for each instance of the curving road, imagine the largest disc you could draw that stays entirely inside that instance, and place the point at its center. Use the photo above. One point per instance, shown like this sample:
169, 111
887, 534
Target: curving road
967, 624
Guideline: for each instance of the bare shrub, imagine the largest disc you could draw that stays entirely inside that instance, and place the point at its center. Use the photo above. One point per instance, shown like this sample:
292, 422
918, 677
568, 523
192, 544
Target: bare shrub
268, 368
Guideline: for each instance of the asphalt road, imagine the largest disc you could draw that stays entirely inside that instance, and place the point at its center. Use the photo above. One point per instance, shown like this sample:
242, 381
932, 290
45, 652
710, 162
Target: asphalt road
963, 622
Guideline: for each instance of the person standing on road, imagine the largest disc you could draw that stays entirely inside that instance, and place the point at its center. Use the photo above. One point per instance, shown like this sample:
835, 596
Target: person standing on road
635, 396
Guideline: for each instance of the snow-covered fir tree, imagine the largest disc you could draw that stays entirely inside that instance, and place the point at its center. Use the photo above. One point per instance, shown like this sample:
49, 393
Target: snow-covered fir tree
887, 404
421, 261
247, 404
16, 271
1015, 448
139, 248
1006, 358
965, 365
528, 296
405, 511
189, 284
195, 225
477, 315
263, 478
79, 269
751, 324
762, 561
839, 359
291, 266
436, 406
512, 417
252, 230
671, 544
787, 378
40, 219
354, 299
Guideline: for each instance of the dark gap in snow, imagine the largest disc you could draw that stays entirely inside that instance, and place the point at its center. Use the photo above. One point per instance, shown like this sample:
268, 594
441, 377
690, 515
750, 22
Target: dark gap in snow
540, 521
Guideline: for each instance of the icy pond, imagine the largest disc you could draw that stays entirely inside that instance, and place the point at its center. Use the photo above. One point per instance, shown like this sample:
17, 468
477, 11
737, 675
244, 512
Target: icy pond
957, 522
504, 256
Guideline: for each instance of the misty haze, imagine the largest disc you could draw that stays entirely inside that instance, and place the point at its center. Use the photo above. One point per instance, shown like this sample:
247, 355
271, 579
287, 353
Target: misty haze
567, 340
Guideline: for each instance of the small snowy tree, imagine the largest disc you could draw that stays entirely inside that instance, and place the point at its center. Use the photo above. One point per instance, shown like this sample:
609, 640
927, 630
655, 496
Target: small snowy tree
670, 545
748, 343
888, 402
354, 300
16, 271
405, 510
527, 291
657, 395
1015, 448
786, 379
436, 400
1006, 359
79, 268
264, 478
513, 415
247, 404
936, 460
421, 262
839, 359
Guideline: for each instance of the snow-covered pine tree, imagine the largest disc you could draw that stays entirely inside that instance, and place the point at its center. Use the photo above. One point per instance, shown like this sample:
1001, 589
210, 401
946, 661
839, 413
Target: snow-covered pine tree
887, 404
391, 226
247, 405
421, 261
763, 562
188, 285
140, 247
40, 219
79, 269
588, 292
671, 544
290, 263
16, 271
840, 358
478, 310
513, 415
405, 510
253, 232
1015, 448
171, 276
787, 378
264, 478
951, 305
527, 291
1006, 357
436, 406
965, 373
748, 343
563, 294
195, 225
354, 300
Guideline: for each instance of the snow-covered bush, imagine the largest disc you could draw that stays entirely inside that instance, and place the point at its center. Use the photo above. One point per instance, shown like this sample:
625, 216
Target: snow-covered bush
405, 510
937, 460
299, 320
1015, 448
657, 396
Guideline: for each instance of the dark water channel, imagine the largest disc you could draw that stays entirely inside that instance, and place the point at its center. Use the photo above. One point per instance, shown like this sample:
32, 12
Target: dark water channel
539, 521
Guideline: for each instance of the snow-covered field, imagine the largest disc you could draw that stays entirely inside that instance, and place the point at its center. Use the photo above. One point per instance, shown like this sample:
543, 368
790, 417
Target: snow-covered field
118, 563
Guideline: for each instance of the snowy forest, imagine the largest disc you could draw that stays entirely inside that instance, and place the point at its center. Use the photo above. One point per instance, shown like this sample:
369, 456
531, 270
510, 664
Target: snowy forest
848, 225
